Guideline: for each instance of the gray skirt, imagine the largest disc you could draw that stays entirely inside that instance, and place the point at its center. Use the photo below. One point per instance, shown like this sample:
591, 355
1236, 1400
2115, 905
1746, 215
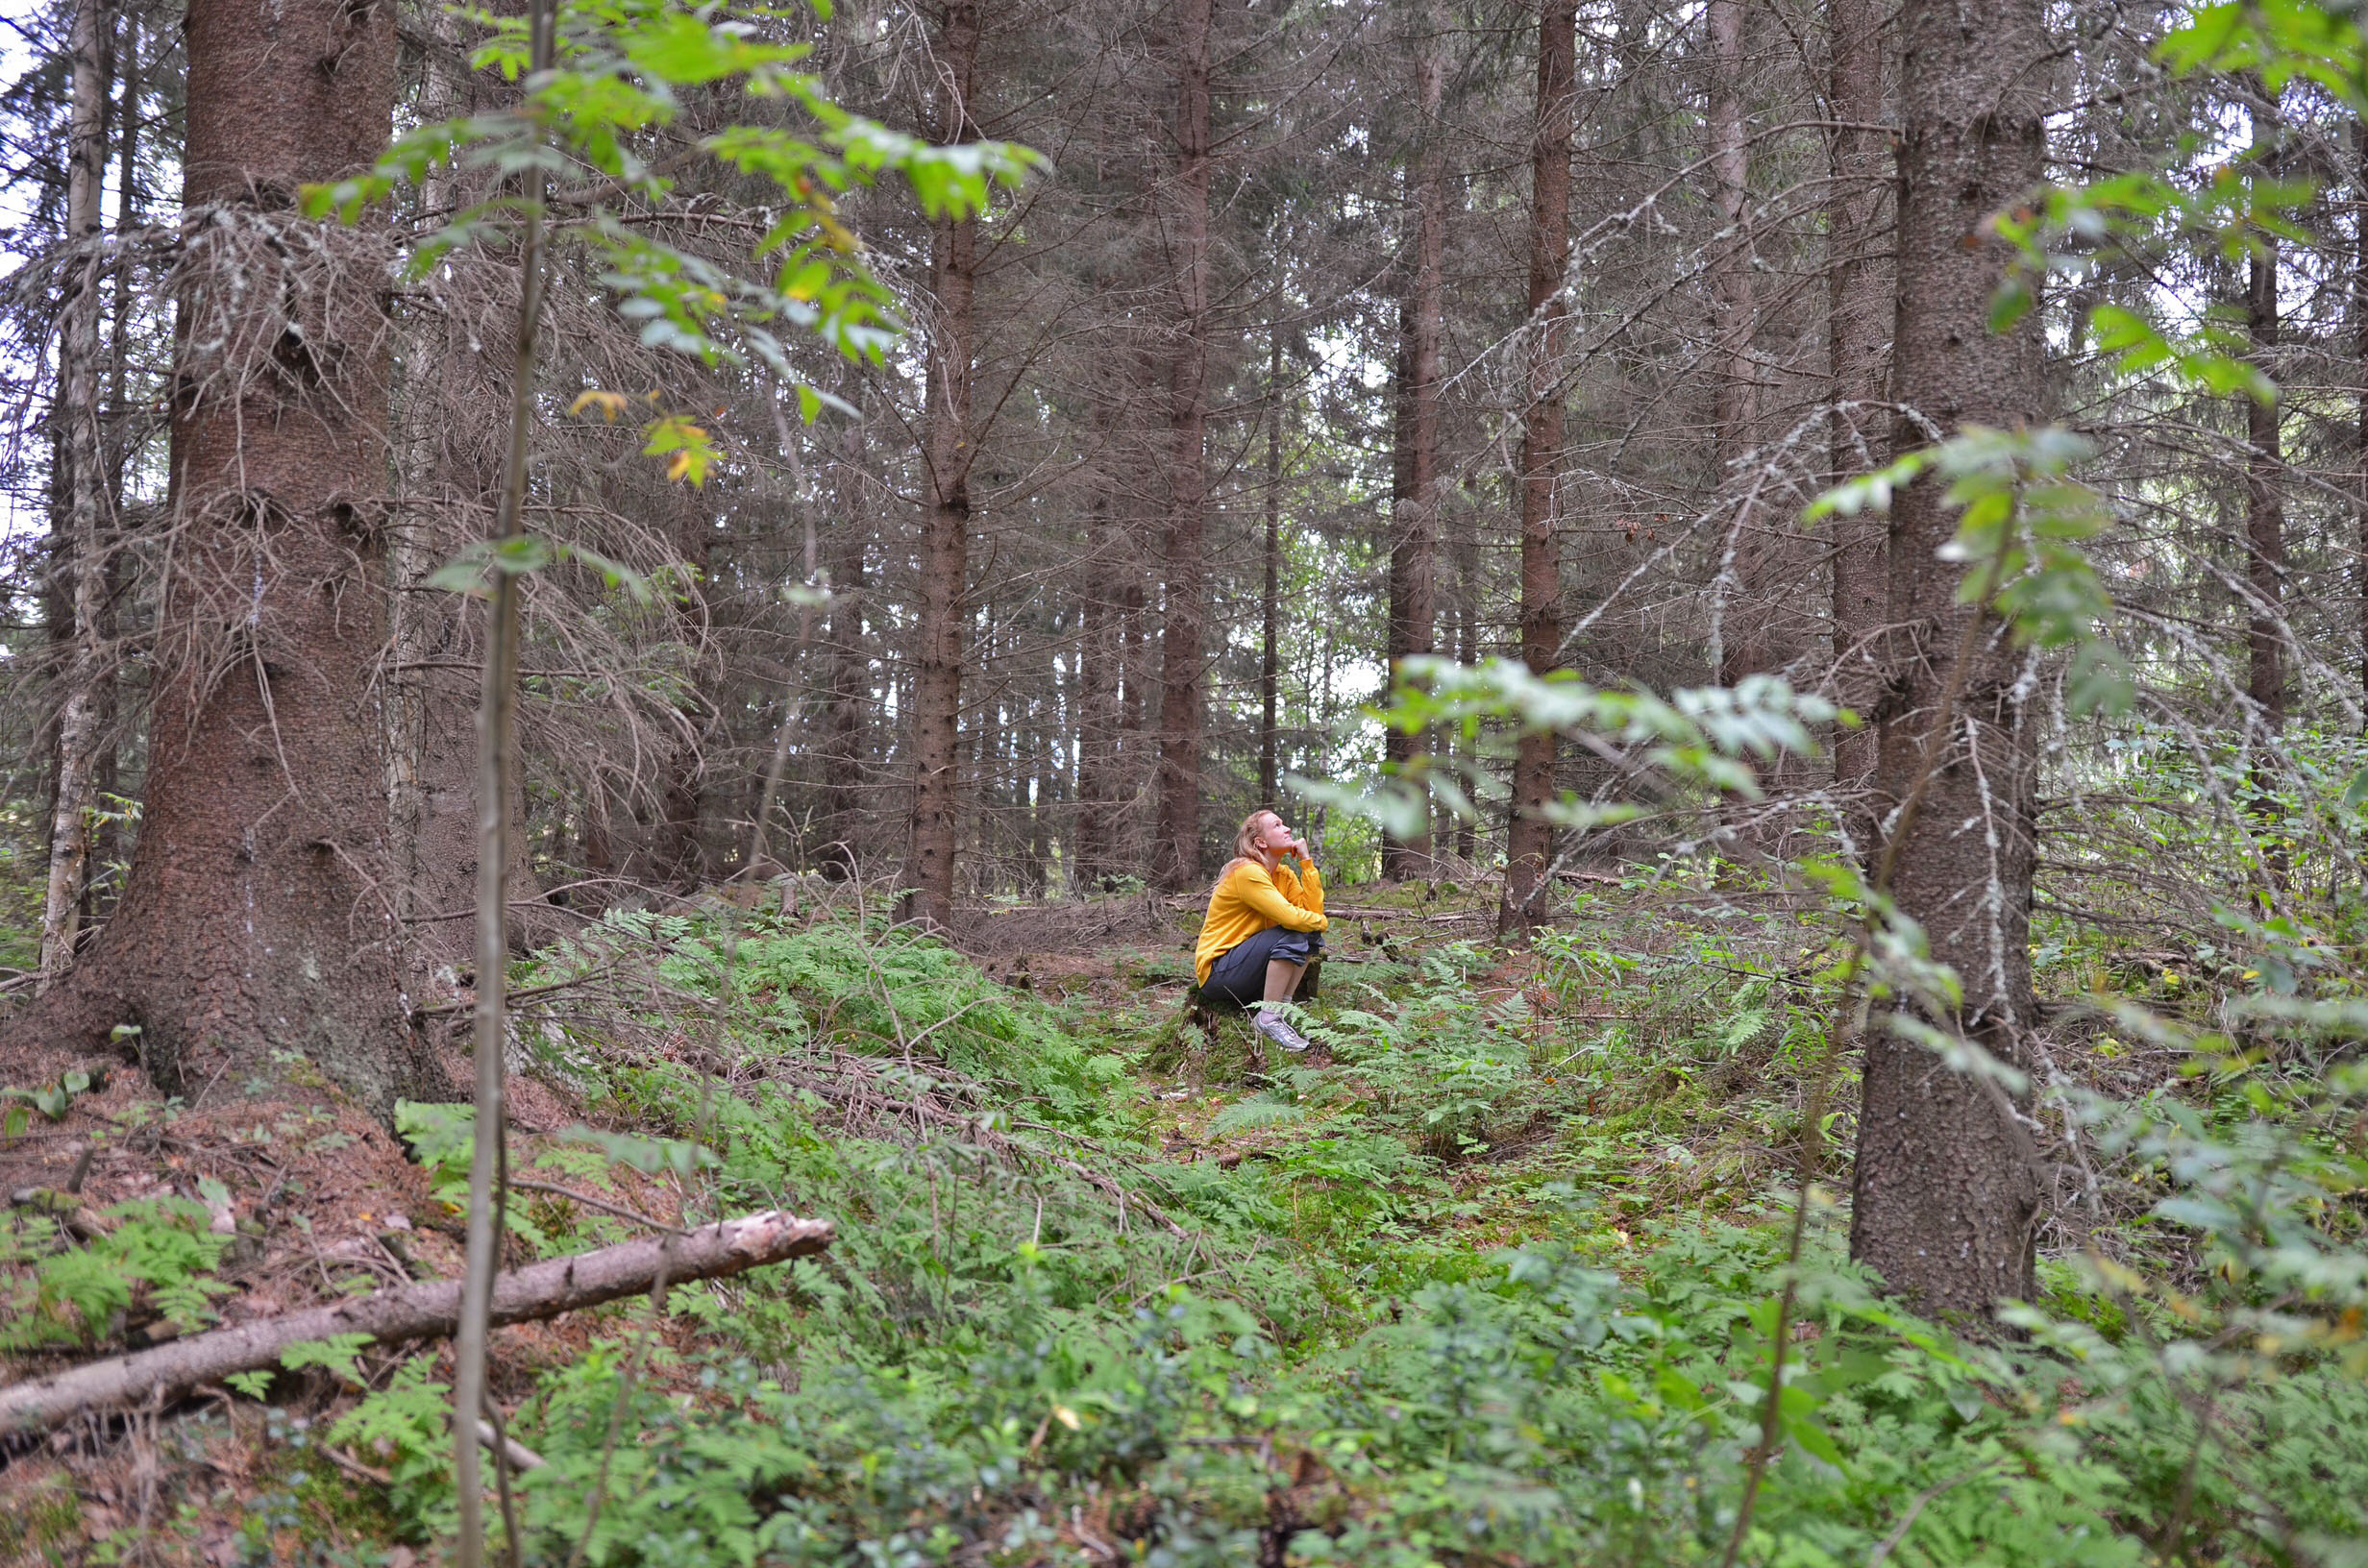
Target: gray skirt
1240, 973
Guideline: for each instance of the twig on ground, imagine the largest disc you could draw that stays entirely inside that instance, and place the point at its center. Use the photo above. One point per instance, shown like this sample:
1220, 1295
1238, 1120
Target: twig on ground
553, 1189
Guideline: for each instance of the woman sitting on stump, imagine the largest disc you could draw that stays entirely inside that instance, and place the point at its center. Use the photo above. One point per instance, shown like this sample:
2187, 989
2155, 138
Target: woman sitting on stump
1264, 924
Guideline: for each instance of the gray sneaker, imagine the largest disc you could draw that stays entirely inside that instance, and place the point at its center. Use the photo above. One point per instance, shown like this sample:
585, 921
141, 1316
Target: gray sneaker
1277, 1029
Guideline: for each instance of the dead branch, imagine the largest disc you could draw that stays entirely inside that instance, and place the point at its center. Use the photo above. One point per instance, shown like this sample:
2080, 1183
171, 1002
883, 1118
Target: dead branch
419, 1311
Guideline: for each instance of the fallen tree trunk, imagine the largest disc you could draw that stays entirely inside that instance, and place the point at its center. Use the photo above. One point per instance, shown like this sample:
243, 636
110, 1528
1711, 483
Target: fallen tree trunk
417, 1312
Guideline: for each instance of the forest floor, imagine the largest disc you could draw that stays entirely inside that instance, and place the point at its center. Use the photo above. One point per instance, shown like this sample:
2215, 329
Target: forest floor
1483, 1278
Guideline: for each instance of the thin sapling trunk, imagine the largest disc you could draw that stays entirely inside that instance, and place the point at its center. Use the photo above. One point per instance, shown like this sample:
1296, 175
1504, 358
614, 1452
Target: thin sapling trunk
495, 719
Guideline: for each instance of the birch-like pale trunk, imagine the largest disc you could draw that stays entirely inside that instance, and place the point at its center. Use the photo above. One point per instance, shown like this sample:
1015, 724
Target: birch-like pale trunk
81, 549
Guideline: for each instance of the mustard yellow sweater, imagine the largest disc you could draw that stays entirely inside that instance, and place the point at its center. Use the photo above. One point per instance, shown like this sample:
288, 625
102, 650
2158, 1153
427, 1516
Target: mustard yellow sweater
1246, 900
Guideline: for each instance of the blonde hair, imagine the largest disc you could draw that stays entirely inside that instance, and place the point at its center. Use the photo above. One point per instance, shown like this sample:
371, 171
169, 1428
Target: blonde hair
1245, 837
1246, 843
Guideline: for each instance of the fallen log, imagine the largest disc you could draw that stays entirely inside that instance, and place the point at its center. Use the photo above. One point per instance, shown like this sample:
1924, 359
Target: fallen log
417, 1312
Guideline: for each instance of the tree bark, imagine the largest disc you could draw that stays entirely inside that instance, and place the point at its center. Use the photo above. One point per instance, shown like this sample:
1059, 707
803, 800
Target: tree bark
1945, 1196
946, 522
1414, 497
257, 917
81, 553
1529, 837
1858, 312
1175, 851
415, 1312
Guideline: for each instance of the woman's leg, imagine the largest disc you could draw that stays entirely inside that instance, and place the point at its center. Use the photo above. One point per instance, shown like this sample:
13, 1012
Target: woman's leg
1239, 974
1263, 972
1286, 966
1283, 977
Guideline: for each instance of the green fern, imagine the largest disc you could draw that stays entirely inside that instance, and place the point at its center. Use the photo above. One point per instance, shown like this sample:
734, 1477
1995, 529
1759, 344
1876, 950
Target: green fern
1253, 1115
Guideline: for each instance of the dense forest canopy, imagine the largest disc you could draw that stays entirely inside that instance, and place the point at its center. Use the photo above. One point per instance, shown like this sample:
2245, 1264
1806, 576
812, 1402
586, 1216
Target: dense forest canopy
719, 582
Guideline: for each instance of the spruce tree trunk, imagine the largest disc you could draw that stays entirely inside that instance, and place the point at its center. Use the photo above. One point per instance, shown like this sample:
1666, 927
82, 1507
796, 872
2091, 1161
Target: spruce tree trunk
946, 519
256, 918
1175, 850
1859, 313
1945, 1195
1414, 497
81, 553
1529, 837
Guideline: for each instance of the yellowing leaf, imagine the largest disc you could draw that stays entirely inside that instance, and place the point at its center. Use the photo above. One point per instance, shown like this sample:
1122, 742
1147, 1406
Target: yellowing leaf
685, 444
610, 403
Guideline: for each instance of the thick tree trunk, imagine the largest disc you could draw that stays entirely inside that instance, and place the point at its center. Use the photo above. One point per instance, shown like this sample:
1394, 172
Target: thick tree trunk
1414, 495
1175, 851
1945, 1195
81, 553
946, 519
1858, 312
256, 918
1529, 837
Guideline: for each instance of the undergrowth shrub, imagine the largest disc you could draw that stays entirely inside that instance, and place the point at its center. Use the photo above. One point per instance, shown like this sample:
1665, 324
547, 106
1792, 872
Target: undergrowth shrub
157, 1256
999, 1361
